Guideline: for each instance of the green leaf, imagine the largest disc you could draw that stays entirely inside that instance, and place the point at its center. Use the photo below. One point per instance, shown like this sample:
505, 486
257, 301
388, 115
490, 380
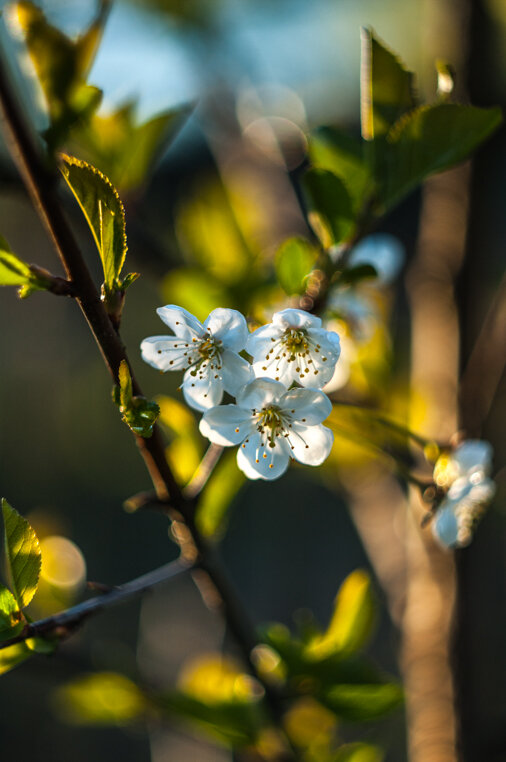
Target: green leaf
104, 698
231, 723
12, 656
61, 65
354, 275
358, 752
335, 150
13, 271
137, 412
431, 139
104, 213
195, 290
10, 614
221, 489
23, 555
329, 206
361, 703
42, 645
294, 261
386, 87
351, 622
124, 150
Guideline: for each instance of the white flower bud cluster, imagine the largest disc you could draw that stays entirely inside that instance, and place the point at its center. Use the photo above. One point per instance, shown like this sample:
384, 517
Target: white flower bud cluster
272, 420
464, 473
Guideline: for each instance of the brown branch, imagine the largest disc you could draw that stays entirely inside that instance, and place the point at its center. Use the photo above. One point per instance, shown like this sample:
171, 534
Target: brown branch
41, 181
203, 472
67, 621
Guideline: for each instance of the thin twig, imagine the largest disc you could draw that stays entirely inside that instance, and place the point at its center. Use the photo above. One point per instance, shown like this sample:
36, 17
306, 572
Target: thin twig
66, 621
203, 472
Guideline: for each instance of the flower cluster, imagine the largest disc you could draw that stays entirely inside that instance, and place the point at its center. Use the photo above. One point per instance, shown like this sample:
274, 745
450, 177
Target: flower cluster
279, 408
464, 473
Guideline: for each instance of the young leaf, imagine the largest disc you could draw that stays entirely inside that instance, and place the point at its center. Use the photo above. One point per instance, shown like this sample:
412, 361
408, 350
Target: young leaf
329, 206
104, 698
360, 703
124, 150
137, 412
335, 150
386, 87
294, 261
12, 656
431, 139
9, 613
221, 489
23, 555
358, 752
61, 65
351, 621
104, 213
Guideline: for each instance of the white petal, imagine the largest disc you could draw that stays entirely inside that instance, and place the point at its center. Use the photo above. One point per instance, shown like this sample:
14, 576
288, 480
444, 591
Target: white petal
228, 326
260, 393
226, 425
203, 391
251, 460
384, 252
445, 527
473, 455
260, 341
311, 444
279, 370
330, 344
235, 372
307, 405
291, 318
316, 380
165, 352
183, 323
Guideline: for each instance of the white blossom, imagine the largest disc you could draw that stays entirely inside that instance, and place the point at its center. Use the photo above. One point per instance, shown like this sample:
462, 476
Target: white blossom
272, 425
294, 348
464, 472
207, 352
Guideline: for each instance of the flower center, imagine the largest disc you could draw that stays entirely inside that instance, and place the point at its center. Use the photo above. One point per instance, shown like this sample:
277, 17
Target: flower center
296, 346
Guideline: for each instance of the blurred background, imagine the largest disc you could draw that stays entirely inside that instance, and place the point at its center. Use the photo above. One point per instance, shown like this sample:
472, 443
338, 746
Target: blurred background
254, 77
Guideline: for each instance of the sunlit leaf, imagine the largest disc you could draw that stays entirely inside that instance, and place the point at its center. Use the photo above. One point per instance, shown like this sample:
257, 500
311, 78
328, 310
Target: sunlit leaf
137, 412
103, 211
335, 150
386, 87
221, 489
361, 703
308, 723
351, 621
431, 139
358, 752
61, 65
104, 698
220, 699
213, 226
329, 206
42, 645
294, 261
9, 613
125, 150
195, 290
185, 448
22, 553
15, 272
12, 656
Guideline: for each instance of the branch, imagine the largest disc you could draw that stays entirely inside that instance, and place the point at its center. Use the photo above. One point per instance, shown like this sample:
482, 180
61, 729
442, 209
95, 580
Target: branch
41, 181
67, 621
